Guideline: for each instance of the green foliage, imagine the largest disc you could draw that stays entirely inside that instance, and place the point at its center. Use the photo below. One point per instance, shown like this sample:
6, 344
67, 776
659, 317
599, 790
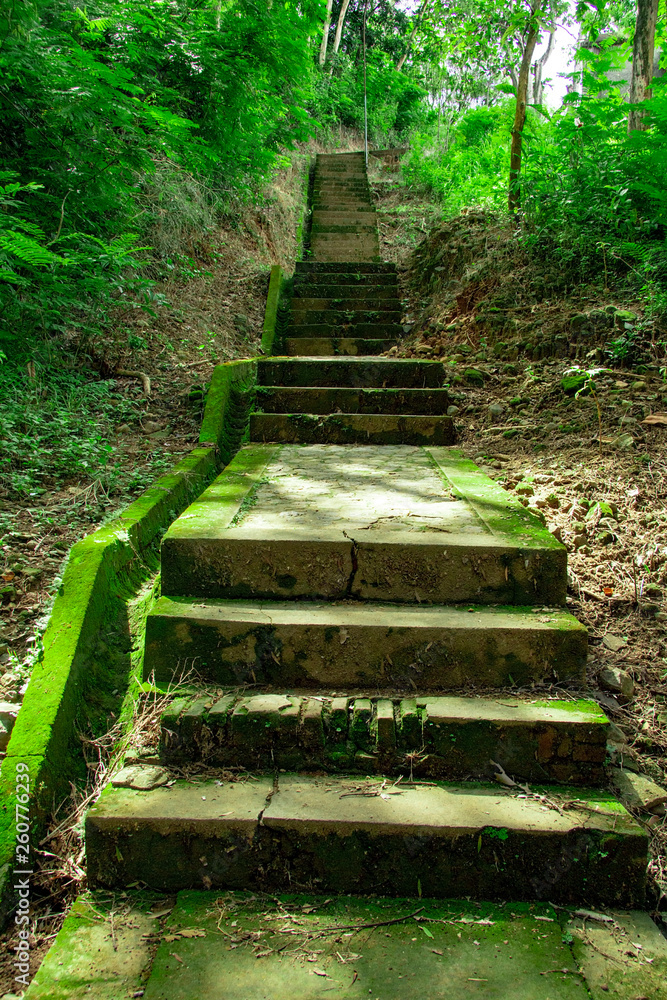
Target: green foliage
106, 112
470, 165
54, 426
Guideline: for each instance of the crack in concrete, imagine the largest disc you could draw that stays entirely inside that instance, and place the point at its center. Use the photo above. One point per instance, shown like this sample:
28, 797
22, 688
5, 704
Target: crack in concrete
274, 790
355, 565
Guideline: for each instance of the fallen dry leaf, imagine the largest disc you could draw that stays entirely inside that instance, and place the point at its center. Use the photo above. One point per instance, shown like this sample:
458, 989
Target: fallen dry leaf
657, 419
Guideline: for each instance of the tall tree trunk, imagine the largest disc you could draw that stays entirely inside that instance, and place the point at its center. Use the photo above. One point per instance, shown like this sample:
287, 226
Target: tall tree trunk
339, 25
538, 69
642, 59
514, 199
422, 11
325, 35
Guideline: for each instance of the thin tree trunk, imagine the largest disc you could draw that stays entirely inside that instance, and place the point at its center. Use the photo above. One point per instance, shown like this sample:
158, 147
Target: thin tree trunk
325, 35
538, 69
422, 11
642, 59
514, 199
339, 25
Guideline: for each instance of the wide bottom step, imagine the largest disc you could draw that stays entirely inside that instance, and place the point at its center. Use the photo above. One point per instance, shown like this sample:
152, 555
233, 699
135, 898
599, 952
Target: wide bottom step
303, 947
370, 836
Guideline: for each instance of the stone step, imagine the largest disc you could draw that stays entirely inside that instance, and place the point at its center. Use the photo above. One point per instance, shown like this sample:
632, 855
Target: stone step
365, 373
342, 267
459, 949
303, 399
328, 347
342, 291
348, 279
451, 739
360, 300
349, 253
342, 229
320, 216
349, 317
272, 834
351, 428
380, 524
350, 644
373, 331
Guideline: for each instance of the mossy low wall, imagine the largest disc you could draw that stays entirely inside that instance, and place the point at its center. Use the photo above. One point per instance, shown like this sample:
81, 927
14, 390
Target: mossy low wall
75, 675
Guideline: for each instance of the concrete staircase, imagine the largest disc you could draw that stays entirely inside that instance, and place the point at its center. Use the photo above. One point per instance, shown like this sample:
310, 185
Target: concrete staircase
345, 300
329, 599
386, 700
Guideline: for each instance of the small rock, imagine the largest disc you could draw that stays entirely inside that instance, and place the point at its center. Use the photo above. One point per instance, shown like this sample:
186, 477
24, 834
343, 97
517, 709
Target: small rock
623, 442
613, 642
452, 410
604, 538
638, 791
124, 429
638, 386
150, 426
141, 778
525, 490
496, 409
558, 533
617, 680
616, 735
653, 591
579, 540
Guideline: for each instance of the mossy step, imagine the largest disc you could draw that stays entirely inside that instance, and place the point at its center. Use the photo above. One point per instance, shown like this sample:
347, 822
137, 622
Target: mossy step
438, 948
306, 399
351, 317
342, 229
373, 331
351, 428
366, 373
274, 833
339, 303
375, 523
351, 644
341, 218
388, 279
348, 252
342, 267
428, 737
331, 346
341, 290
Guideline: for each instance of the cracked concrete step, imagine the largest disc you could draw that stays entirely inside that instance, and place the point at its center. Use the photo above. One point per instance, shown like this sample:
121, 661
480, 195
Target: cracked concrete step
389, 523
351, 428
352, 644
445, 840
365, 373
305, 399
428, 737
327, 347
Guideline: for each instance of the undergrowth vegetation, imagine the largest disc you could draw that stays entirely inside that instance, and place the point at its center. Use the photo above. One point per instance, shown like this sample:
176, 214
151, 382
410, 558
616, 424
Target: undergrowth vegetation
594, 202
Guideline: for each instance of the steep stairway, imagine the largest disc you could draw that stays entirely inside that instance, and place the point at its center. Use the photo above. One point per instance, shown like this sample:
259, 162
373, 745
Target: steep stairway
329, 599
345, 300
382, 701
